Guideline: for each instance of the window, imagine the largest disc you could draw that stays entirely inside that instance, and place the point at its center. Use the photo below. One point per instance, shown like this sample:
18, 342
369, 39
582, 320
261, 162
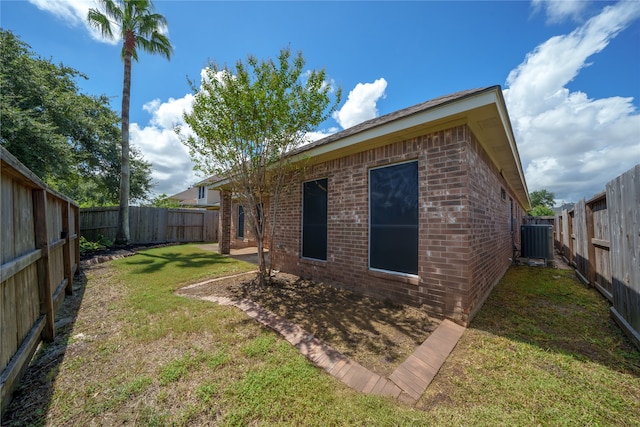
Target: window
201, 192
393, 218
314, 219
240, 222
512, 219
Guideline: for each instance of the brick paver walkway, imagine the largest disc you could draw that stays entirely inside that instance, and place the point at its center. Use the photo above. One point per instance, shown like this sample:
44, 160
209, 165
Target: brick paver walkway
406, 383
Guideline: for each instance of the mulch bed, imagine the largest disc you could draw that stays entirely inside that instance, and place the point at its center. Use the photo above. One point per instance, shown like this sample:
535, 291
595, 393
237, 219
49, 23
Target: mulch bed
379, 335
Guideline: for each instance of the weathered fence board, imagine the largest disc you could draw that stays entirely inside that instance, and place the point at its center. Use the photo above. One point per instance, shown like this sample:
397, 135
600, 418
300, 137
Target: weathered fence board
599, 248
152, 225
565, 235
604, 246
579, 237
623, 199
39, 250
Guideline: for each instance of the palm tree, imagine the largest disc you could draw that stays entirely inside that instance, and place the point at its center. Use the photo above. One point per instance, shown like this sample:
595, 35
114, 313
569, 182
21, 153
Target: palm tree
139, 27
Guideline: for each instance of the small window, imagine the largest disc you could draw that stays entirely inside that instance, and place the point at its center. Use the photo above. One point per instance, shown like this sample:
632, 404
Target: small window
512, 219
503, 194
314, 219
240, 222
393, 218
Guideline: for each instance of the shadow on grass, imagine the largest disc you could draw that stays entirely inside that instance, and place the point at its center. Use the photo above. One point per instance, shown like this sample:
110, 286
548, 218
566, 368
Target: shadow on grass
32, 398
152, 263
551, 309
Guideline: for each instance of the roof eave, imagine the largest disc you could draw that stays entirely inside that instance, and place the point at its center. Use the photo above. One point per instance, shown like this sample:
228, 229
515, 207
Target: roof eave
480, 109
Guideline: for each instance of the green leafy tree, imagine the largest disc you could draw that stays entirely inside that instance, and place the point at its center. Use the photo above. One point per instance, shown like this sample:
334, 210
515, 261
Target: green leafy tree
102, 188
541, 201
246, 120
164, 201
542, 197
35, 96
541, 210
69, 139
139, 28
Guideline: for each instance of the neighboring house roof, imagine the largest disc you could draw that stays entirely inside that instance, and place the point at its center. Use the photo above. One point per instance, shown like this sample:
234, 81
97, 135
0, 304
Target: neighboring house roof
187, 197
207, 181
483, 110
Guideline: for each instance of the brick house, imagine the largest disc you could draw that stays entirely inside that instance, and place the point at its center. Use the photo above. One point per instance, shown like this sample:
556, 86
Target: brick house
420, 206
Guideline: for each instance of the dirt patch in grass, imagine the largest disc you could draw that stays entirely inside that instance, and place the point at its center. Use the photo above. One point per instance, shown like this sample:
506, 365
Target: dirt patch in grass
379, 335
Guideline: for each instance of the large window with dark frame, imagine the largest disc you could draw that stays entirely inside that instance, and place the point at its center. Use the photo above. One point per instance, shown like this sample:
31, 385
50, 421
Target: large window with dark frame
240, 222
393, 218
314, 219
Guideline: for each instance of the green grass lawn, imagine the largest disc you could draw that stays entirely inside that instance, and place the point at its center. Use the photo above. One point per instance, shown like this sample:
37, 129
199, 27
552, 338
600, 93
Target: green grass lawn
542, 351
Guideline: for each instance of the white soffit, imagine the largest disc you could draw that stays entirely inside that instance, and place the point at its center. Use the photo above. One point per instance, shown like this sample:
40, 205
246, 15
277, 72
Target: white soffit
431, 116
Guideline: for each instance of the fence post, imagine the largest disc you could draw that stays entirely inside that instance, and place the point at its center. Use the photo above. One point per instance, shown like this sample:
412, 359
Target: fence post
66, 250
204, 224
44, 273
572, 238
76, 213
591, 249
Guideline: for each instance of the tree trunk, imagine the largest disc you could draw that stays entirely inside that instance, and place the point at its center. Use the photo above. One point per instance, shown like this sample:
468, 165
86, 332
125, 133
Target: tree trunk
122, 236
265, 275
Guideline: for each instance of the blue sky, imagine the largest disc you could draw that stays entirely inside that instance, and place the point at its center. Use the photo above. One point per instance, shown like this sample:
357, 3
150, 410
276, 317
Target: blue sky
570, 70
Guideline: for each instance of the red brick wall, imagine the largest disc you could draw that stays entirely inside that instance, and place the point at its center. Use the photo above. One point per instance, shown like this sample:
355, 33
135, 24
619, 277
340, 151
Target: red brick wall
491, 242
463, 245
444, 240
249, 239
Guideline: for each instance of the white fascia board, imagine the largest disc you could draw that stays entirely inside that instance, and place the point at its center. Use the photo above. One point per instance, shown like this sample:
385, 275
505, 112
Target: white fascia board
434, 114
508, 130
431, 115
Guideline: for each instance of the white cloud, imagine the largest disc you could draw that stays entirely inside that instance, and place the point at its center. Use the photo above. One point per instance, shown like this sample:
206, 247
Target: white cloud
168, 114
172, 167
569, 143
361, 103
558, 11
322, 133
74, 13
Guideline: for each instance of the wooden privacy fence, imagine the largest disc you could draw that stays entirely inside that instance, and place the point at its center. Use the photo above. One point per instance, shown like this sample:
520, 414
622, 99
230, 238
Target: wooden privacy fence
600, 237
39, 253
152, 225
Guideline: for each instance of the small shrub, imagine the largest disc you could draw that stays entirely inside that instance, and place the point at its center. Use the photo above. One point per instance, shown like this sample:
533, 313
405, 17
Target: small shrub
87, 246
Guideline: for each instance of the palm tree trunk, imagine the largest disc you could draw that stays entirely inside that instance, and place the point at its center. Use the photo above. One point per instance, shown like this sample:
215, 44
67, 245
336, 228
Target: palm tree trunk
122, 237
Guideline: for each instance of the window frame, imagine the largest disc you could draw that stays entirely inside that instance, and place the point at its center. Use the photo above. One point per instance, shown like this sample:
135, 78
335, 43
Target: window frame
369, 243
240, 230
302, 222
